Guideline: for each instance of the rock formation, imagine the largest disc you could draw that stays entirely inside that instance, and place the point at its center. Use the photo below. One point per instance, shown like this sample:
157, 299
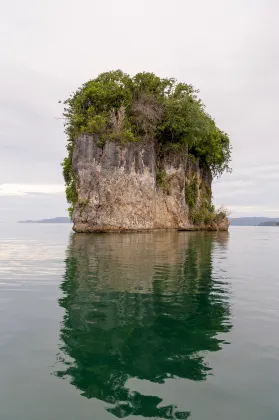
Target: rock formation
142, 152
118, 188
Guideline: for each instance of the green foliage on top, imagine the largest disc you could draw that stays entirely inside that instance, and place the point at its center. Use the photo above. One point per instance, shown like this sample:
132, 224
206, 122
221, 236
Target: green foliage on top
115, 106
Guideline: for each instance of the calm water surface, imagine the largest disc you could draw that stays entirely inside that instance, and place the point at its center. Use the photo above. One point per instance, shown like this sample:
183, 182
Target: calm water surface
165, 325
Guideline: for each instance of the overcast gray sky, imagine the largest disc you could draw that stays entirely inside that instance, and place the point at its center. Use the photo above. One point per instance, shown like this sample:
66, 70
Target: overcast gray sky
228, 49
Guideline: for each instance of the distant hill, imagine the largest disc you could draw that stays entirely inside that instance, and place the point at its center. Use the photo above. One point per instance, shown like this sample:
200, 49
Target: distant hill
53, 220
251, 221
272, 223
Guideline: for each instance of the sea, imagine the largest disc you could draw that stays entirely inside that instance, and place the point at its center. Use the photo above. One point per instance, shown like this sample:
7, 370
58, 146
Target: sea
155, 325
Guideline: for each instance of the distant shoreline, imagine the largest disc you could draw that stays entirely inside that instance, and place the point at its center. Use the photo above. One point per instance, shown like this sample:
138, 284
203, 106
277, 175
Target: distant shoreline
253, 221
52, 220
234, 221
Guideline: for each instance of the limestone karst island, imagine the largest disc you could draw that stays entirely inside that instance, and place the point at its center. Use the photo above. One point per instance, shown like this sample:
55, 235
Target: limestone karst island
142, 153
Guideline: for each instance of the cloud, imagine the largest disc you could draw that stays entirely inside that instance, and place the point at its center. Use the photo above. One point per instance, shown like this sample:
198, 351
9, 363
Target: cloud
32, 206
229, 50
250, 190
23, 190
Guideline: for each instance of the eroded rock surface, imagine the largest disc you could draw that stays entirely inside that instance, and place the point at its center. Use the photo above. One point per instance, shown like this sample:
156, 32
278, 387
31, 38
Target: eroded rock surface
118, 187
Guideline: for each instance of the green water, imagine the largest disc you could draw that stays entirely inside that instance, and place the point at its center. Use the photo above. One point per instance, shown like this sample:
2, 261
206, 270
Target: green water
163, 325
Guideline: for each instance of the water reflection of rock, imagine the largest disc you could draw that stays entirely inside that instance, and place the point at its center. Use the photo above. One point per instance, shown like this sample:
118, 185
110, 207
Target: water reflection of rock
141, 305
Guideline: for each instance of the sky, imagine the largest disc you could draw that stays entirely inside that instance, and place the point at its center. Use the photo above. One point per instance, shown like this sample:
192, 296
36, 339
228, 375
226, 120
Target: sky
228, 49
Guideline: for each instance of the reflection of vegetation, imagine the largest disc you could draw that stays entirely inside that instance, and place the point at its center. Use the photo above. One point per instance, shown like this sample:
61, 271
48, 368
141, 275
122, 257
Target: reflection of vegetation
118, 325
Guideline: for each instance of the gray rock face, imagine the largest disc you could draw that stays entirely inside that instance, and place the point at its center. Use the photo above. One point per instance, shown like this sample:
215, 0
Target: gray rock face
117, 187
